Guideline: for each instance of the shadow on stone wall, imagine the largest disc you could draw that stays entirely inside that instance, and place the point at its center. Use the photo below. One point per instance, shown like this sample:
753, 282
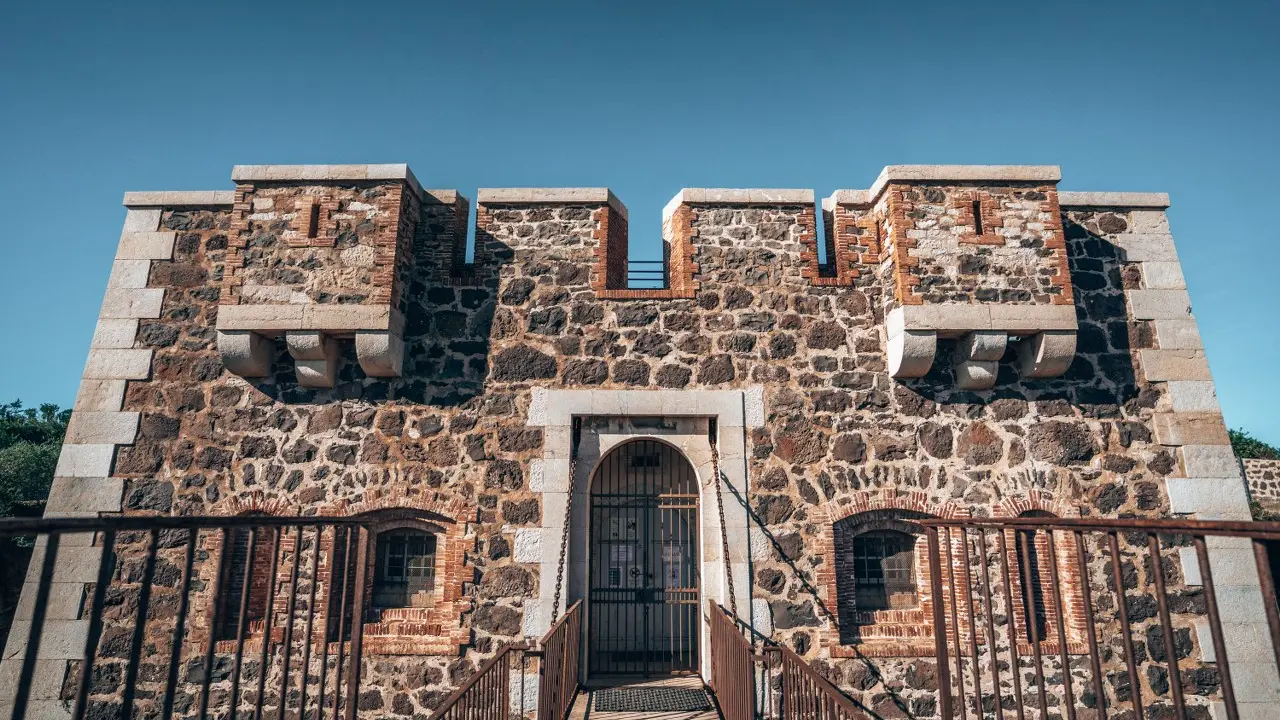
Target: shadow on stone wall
1101, 380
447, 322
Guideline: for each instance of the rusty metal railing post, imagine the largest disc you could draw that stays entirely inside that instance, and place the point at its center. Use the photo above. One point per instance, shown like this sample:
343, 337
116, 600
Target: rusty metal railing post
357, 621
945, 709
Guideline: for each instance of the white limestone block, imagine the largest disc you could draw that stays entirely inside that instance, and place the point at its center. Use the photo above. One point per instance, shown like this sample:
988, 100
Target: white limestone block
1208, 498
1159, 304
762, 616
911, 353
1149, 222
1046, 354
380, 353
142, 220
1193, 396
528, 545
537, 415
1178, 334
343, 318
753, 402
60, 640
1163, 276
46, 682
1161, 365
146, 245
84, 496
259, 317
129, 274
315, 357
132, 303
1209, 461
91, 461
117, 333
976, 374
985, 345
100, 395
88, 428
1190, 567
245, 353
549, 475
117, 364
1142, 247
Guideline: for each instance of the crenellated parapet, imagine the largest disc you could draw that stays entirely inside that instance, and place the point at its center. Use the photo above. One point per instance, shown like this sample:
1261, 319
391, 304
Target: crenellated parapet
974, 253
977, 255
318, 254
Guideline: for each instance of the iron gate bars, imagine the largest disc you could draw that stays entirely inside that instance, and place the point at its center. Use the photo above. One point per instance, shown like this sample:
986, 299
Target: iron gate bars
1107, 580
158, 603
644, 579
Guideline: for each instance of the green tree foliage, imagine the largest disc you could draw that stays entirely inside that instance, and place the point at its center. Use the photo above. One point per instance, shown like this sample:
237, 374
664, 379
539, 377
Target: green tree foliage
1248, 446
30, 440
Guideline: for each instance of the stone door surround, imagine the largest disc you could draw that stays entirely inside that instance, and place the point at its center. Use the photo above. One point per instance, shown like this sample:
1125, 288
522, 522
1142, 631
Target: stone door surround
686, 413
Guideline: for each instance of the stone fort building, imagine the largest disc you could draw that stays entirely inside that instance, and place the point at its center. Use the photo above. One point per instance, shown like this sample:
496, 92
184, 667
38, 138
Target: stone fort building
765, 426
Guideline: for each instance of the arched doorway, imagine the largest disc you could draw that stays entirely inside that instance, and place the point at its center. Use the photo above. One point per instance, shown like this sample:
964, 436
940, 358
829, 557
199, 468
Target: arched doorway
643, 569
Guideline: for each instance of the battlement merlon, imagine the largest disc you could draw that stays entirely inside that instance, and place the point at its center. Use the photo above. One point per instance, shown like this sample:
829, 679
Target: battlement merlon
972, 252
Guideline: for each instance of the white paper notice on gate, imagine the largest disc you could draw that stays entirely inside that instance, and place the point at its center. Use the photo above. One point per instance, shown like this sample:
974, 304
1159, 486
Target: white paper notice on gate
671, 560
622, 554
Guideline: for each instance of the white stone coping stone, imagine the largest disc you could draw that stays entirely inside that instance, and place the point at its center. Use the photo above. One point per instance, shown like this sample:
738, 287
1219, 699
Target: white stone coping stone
737, 196
1113, 199
569, 195
441, 196
942, 173
846, 197
964, 173
331, 318
957, 318
389, 171
178, 198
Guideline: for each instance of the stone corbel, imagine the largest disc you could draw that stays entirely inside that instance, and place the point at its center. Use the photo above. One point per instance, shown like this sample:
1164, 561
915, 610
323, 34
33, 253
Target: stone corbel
1046, 354
977, 358
381, 353
315, 357
911, 353
245, 352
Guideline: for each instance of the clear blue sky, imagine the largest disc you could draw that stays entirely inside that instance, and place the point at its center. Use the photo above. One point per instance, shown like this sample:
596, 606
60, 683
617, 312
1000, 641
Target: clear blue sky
644, 98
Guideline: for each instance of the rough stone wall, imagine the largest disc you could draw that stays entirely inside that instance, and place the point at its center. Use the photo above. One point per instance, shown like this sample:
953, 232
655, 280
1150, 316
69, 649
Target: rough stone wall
838, 434
1263, 477
321, 244
1009, 251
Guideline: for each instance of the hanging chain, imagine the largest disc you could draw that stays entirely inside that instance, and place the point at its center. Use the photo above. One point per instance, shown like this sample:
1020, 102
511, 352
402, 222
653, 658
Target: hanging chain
568, 517
724, 532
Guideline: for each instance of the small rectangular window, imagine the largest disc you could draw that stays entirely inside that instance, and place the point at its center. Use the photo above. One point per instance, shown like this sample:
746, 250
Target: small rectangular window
977, 217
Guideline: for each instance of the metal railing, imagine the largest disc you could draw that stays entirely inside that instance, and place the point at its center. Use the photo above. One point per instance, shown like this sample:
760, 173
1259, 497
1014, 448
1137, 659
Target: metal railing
772, 683
733, 666
487, 695
647, 274
559, 679
161, 628
1015, 600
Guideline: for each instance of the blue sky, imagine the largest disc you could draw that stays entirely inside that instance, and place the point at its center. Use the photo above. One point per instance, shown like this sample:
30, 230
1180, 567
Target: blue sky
644, 98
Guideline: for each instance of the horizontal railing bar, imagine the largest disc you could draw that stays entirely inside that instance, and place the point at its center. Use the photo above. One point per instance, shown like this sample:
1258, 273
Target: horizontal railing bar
28, 526
563, 619
1254, 529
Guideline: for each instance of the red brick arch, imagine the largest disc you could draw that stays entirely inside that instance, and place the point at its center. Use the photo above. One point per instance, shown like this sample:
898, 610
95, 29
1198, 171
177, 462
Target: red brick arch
434, 630
1067, 570
893, 633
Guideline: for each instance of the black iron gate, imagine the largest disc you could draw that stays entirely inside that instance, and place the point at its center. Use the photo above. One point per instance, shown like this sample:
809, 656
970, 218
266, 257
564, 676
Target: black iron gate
644, 616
